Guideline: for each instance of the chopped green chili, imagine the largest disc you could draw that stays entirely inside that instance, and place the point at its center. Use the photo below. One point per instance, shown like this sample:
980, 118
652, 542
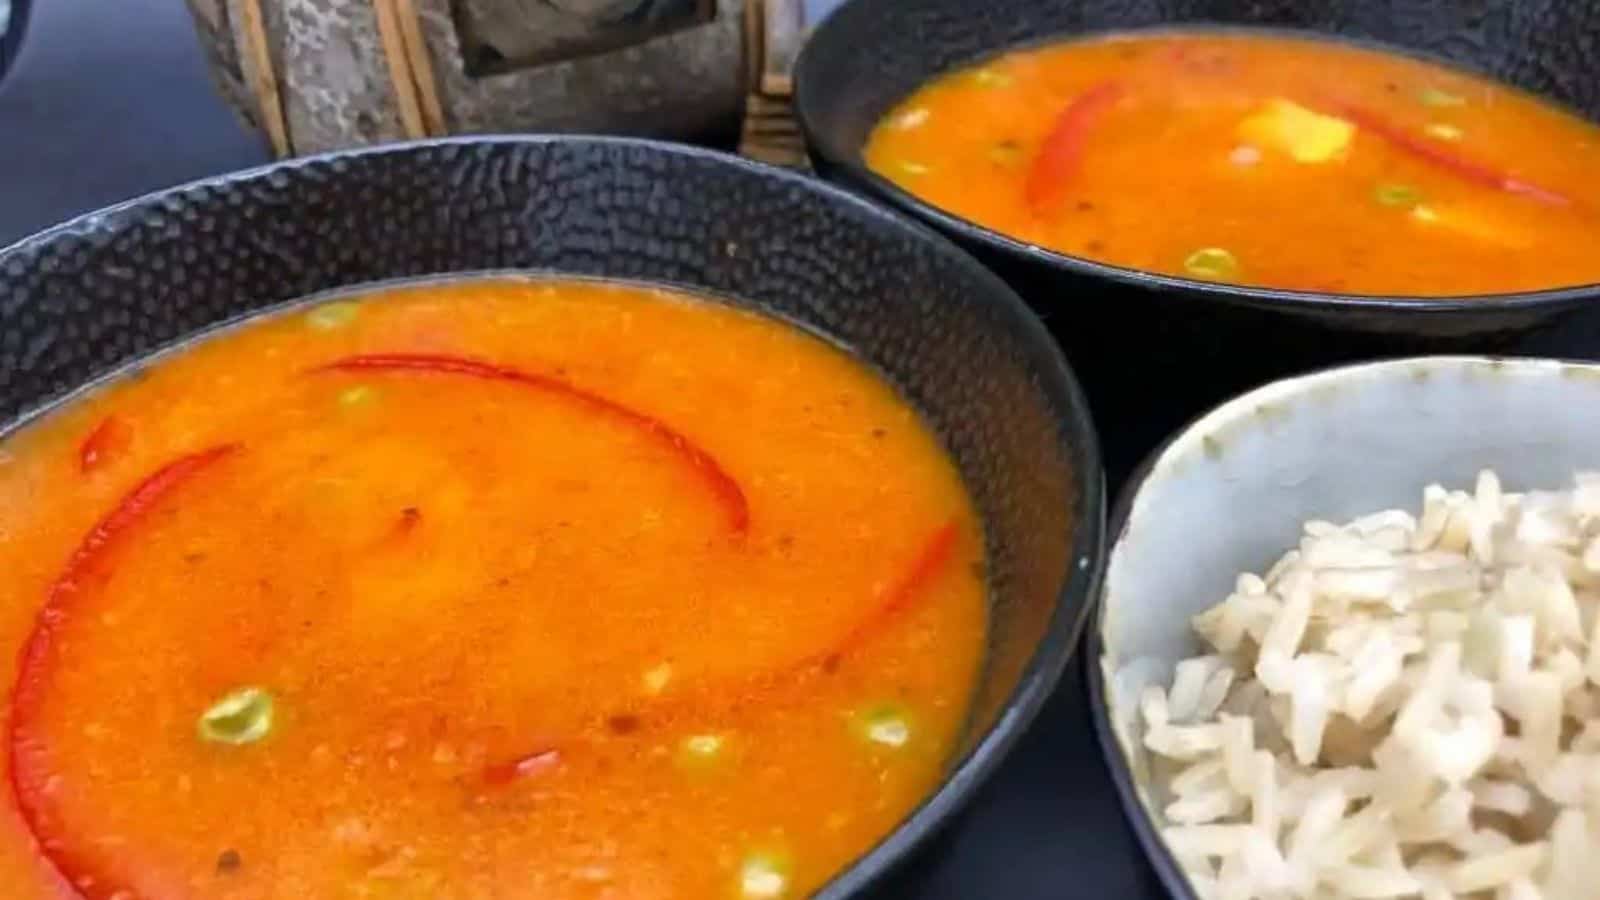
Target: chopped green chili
1211, 262
243, 716
886, 725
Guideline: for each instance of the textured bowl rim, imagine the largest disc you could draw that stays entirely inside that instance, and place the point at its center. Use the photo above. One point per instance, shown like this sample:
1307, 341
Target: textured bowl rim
1187, 440
849, 163
1054, 377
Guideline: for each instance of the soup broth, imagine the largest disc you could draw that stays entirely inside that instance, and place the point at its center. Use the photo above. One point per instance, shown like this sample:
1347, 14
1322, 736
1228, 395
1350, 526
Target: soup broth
498, 589
1259, 159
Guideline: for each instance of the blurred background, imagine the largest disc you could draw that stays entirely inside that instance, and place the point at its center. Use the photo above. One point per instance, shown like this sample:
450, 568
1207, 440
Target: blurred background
5, 36
128, 101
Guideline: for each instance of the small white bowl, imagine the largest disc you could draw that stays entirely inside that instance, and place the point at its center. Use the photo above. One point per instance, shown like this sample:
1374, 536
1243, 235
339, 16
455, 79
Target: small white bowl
1230, 493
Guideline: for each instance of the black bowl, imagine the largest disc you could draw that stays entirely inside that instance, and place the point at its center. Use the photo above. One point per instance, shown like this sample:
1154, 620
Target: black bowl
1172, 346
104, 290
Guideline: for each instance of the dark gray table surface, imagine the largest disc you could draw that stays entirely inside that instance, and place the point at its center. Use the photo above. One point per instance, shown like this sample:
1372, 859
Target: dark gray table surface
104, 104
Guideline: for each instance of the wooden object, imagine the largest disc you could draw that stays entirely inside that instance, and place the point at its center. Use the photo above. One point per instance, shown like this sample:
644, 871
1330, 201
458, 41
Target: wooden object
317, 75
774, 31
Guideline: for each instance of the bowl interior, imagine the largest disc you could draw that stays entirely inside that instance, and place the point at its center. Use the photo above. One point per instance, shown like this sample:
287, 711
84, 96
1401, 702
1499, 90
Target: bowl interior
106, 289
871, 54
1230, 495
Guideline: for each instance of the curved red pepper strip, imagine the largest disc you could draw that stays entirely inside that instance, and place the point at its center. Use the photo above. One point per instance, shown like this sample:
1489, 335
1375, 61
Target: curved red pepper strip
717, 478
108, 440
902, 595
29, 777
1430, 151
1058, 157
897, 600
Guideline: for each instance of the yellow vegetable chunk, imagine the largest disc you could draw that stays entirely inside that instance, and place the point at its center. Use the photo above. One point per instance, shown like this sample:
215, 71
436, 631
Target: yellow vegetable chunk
1306, 135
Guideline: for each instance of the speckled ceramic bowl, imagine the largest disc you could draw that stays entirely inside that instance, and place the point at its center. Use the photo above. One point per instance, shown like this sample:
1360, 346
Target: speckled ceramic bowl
1155, 350
103, 291
1230, 493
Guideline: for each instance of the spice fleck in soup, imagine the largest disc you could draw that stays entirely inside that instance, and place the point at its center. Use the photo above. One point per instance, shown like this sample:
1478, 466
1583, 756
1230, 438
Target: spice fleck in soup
1259, 159
504, 588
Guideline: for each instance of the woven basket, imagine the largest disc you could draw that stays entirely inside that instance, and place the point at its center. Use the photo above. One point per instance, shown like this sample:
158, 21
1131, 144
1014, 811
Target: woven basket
316, 75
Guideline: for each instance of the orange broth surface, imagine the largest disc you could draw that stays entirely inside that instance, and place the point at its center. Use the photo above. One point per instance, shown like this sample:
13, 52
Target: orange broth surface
1259, 159
589, 591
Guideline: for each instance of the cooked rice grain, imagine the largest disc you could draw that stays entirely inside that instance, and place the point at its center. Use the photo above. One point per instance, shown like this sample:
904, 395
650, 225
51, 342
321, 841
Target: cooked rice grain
1403, 706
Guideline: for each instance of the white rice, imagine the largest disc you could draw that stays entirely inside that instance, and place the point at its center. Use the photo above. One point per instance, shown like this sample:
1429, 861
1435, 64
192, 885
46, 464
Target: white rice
1402, 706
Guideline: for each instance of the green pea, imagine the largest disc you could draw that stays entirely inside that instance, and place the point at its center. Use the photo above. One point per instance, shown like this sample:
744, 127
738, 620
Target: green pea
1401, 195
243, 716
332, 316
1211, 262
1438, 99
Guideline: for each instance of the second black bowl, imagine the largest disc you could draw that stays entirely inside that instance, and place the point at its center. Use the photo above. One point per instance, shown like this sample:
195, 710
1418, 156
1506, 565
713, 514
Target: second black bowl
1154, 350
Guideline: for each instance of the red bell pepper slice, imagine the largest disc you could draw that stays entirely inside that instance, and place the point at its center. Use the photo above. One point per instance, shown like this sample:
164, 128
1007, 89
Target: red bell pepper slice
904, 594
1431, 152
1058, 157
726, 489
30, 774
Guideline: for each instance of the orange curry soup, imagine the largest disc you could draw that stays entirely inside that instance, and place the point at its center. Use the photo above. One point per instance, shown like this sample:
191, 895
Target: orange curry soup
1259, 159
497, 589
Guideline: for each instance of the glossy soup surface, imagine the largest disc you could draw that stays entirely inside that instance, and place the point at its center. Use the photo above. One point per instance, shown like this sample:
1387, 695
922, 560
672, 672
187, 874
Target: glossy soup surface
1262, 160
498, 589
